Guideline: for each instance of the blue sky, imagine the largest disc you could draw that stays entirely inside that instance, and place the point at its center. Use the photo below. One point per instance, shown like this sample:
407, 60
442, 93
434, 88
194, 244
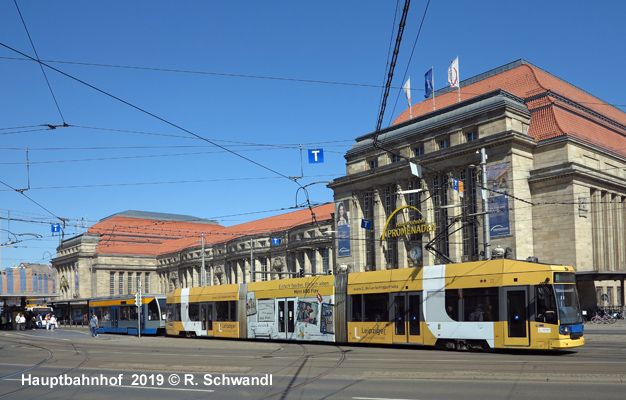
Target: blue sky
264, 77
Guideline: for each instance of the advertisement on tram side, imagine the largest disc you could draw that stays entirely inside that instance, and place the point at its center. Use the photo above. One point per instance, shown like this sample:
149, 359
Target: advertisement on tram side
300, 310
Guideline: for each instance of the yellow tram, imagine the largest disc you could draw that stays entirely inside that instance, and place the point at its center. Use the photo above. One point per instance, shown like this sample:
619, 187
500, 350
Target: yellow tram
484, 304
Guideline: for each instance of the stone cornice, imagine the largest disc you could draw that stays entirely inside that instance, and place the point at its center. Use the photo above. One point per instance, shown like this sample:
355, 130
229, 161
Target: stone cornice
401, 167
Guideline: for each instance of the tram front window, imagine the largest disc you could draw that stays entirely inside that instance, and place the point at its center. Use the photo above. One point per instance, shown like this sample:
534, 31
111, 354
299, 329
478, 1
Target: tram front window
153, 311
568, 304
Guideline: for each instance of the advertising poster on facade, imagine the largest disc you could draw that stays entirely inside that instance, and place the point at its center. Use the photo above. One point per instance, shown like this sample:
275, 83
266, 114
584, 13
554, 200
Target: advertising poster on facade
497, 178
342, 220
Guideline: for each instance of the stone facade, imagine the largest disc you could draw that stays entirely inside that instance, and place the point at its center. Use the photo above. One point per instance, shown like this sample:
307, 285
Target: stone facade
304, 247
103, 264
559, 160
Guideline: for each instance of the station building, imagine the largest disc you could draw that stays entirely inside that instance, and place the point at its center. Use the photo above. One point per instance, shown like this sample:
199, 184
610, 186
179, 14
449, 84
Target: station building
170, 251
554, 187
27, 278
551, 187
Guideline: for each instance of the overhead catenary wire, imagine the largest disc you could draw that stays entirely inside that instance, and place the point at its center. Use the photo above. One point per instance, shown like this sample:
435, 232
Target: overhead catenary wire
406, 71
165, 182
295, 180
63, 220
40, 66
255, 77
146, 112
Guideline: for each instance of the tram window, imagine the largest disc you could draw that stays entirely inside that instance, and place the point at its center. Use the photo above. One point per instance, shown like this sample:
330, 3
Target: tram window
124, 314
194, 312
163, 307
106, 314
233, 310
480, 304
173, 312
452, 303
132, 313
153, 311
221, 311
545, 305
376, 307
357, 312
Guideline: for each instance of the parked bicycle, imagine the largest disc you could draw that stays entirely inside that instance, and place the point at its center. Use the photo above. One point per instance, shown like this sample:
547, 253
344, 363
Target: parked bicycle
603, 318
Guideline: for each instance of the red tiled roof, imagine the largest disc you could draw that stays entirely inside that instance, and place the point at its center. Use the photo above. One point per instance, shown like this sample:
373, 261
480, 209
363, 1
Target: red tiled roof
138, 236
553, 114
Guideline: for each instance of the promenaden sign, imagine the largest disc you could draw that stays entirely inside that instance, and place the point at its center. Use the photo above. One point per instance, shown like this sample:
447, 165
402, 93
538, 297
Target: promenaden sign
406, 228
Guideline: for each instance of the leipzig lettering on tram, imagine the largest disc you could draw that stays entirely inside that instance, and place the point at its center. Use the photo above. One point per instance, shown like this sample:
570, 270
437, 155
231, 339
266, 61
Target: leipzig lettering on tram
406, 228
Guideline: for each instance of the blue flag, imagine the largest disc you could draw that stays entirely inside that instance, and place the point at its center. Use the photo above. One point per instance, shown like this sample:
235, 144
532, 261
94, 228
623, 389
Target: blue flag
429, 83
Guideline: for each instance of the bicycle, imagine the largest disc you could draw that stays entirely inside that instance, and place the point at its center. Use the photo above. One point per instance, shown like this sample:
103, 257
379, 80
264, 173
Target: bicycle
603, 319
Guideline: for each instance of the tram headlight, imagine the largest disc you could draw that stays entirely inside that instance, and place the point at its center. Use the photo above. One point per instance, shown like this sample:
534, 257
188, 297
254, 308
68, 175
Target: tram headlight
564, 330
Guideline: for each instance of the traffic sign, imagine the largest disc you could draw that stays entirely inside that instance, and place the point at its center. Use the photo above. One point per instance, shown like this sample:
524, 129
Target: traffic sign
275, 241
316, 156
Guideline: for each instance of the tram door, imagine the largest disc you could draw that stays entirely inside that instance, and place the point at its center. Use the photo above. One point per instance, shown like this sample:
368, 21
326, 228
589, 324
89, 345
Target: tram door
406, 317
206, 313
286, 318
516, 333
115, 315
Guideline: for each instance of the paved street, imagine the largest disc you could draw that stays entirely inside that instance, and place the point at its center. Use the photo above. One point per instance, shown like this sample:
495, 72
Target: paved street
163, 368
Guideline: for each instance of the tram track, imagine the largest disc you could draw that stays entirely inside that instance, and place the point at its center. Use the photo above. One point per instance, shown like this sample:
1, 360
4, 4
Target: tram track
301, 358
291, 388
300, 361
47, 359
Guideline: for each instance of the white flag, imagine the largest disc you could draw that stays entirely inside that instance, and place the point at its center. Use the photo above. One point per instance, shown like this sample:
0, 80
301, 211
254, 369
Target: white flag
407, 90
453, 73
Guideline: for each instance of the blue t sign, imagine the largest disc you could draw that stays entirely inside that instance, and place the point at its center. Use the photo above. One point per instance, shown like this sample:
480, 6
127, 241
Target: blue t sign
55, 228
366, 224
275, 241
316, 156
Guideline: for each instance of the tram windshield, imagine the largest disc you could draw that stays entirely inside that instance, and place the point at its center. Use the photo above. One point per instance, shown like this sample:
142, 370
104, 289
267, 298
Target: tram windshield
153, 311
162, 308
568, 304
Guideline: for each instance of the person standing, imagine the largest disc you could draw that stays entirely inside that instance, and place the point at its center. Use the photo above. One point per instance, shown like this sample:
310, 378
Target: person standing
93, 325
47, 321
53, 322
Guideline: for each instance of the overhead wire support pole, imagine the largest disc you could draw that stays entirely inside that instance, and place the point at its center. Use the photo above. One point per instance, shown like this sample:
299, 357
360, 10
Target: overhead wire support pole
486, 227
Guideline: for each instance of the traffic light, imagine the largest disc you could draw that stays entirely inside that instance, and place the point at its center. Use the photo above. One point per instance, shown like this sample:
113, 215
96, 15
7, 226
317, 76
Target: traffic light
138, 299
330, 272
301, 274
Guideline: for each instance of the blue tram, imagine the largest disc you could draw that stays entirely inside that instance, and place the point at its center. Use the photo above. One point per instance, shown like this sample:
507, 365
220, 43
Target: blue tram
119, 314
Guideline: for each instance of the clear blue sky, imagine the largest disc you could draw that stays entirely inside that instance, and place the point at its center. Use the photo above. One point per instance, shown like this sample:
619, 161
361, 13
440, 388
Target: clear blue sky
328, 58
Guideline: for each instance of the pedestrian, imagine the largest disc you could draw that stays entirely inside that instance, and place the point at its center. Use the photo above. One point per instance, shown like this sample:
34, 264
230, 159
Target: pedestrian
39, 325
48, 321
21, 322
94, 326
53, 322
4, 322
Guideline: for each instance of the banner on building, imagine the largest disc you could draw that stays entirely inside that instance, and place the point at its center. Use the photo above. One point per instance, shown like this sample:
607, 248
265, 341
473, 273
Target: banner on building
342, 220
498, 200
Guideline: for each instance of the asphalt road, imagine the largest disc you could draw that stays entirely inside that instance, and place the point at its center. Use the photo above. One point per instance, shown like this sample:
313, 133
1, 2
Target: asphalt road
180, 368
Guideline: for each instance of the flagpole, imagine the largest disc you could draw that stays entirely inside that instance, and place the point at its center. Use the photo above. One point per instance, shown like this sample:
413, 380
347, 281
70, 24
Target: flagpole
432, 68
459, 79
